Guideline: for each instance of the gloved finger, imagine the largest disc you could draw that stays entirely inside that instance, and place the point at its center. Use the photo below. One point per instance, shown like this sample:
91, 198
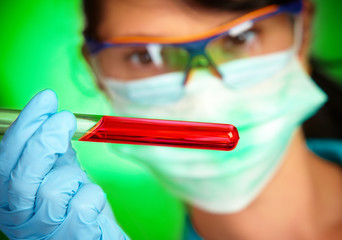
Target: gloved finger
54, 195
108, 224
68, 158
10, 223
82, 213
40, 153
109, 229
30, 119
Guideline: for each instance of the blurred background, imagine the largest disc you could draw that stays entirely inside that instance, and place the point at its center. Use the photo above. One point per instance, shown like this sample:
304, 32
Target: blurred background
40, 47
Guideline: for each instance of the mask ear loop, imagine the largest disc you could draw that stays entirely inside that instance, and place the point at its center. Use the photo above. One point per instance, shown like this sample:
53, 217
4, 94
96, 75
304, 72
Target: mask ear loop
298, 41
101, 80
96, 70
298, 33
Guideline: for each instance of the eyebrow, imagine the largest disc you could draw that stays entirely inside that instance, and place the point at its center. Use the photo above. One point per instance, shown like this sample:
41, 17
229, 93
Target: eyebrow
144, 38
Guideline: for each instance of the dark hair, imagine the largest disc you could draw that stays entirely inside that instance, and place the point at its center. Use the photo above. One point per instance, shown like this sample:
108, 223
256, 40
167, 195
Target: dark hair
92, 9
236, 5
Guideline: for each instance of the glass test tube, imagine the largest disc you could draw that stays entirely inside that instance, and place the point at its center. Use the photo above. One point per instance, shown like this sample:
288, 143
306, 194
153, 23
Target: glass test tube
141, 131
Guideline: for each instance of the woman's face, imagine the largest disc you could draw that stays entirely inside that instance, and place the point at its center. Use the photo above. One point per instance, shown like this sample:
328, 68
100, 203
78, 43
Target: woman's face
170, 18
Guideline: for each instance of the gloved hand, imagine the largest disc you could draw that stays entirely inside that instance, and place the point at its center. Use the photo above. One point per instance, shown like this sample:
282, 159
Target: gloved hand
44, 194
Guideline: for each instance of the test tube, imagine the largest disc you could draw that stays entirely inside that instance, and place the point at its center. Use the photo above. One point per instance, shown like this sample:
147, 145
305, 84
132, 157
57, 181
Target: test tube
143, 131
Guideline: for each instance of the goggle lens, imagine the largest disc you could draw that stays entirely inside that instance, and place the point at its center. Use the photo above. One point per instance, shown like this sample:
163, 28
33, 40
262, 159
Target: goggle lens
137, 62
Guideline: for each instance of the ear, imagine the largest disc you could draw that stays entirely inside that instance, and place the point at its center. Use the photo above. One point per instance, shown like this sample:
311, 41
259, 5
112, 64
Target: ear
307, 15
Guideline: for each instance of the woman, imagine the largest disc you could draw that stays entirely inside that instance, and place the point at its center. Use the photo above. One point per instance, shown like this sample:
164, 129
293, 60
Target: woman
240, 62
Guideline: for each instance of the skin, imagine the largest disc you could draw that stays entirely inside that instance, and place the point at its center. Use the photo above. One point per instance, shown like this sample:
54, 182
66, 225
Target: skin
303, 199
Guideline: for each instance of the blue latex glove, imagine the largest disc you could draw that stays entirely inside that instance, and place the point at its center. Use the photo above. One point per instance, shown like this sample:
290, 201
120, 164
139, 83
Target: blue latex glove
44, 194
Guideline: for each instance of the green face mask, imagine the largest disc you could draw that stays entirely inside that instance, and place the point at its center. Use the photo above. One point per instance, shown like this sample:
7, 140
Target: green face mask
266, 115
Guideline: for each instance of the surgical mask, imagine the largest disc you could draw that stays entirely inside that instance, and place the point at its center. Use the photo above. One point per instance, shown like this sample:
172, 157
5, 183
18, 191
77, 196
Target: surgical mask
267, 111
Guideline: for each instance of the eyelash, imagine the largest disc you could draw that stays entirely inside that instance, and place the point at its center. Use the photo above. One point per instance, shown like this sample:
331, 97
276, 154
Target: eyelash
245, 37
135, 57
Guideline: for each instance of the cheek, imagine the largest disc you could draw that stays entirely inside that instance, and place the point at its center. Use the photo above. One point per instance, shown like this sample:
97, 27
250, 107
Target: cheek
279, 40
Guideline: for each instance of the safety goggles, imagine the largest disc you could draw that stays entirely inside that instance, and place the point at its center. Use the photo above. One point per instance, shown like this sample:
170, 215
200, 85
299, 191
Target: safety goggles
134, 58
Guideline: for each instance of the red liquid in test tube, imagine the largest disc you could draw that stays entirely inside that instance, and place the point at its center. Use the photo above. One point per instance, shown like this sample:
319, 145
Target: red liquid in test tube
169, 133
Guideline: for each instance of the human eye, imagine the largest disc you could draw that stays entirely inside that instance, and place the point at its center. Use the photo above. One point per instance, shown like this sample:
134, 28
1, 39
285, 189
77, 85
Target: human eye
139, 57
243, 38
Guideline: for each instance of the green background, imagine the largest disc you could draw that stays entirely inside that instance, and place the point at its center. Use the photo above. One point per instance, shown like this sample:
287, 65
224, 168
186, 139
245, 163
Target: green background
40, 48
327, 37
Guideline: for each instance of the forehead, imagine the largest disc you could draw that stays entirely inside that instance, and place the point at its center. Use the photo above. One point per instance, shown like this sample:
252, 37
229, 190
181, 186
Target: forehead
157, 18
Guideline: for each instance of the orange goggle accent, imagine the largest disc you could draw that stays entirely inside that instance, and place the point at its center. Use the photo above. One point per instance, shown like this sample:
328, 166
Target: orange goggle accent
294, 7
220, 29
